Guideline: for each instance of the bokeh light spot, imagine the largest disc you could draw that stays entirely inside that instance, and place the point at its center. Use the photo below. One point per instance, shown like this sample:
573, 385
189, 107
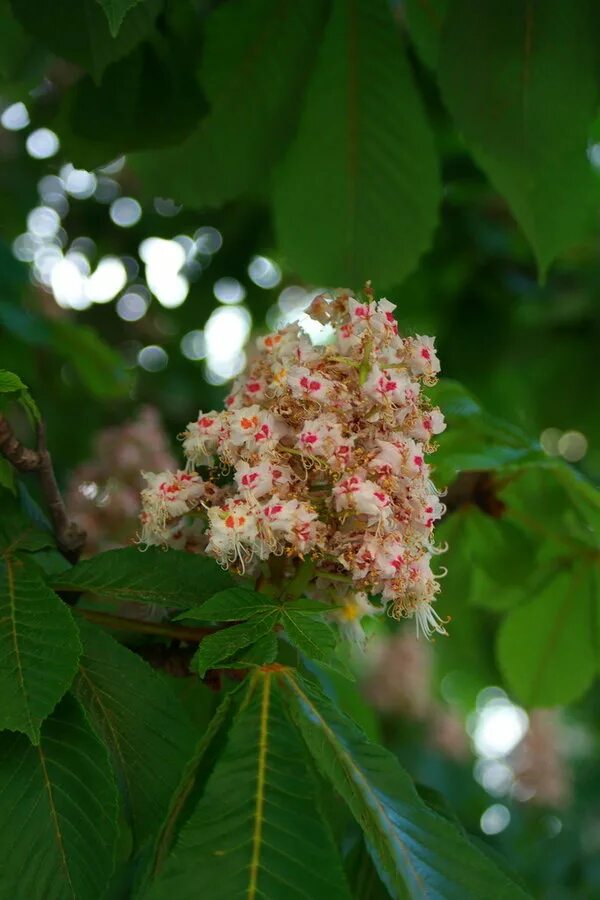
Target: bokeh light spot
125, 212
42, 143
153, 358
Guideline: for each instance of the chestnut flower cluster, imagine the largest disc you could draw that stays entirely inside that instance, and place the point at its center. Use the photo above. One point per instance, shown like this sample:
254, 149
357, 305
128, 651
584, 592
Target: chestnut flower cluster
326, 445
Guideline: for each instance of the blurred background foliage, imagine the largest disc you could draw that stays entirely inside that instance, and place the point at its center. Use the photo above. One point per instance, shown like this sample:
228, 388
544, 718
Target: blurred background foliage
176, 175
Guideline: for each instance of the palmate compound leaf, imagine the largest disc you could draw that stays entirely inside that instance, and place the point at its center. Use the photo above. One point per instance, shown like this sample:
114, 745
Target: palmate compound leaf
359, 188
546, 647
166, 578
141, 721
258, 614
418, 853
256, 57
255, 833
520, 79
58, 811
39, 646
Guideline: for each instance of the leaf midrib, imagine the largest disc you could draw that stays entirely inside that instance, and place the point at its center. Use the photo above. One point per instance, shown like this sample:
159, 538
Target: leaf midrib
260, 786
115, 738
54, 816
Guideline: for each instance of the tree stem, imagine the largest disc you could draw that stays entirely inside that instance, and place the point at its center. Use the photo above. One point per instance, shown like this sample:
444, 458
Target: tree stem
164, 629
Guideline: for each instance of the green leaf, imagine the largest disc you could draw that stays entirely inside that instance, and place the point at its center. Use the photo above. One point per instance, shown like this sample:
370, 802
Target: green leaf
262, 652
503, 550
358, 192
11, 383
315, 639
39, 647
466, 655
187, 786
255, 60
99, 367
115, 11
255, 833
417, 852
135, 712
79, 31
58, 811
475, 440
216, 648
165, 577
237, 604
425, 22
149, 99
7, 476
520, 81
545, 648
231, 605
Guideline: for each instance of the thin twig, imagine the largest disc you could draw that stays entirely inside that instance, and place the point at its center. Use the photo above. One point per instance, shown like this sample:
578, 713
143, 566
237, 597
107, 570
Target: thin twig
22, 458
164, 629
70, 538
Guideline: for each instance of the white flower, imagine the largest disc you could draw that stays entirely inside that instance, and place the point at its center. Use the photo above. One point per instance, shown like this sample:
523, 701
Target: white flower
422, 357
427, 619
200, 439
233, 533
254, 429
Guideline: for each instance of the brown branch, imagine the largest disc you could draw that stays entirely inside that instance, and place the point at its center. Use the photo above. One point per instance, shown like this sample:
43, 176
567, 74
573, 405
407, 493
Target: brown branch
173, 658
164, 629
22, 458
70, 538
476, 488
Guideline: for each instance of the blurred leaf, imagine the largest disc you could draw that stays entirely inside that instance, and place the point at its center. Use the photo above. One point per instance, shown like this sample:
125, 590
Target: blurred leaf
9, 382
557, 506
16, 51
78, 30
116, 10
475, 440
425, 20
546, 647
39, 647
255, 832
417, 852
134, 711
465, 657
217, 648
7, 476
504, 551
520, 81
358, 192
59, 798
148, 99
255, 59
167, 578
99, 367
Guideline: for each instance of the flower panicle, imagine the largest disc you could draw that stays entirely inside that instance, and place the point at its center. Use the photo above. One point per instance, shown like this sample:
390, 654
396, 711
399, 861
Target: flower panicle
327, 446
